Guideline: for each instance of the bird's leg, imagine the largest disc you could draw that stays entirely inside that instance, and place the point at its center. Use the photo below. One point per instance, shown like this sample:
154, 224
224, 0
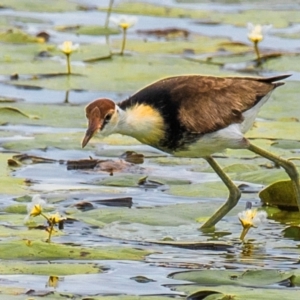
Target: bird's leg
233, 198
288, 166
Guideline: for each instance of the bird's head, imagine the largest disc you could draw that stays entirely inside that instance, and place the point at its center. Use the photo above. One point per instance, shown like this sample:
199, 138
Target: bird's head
102, 116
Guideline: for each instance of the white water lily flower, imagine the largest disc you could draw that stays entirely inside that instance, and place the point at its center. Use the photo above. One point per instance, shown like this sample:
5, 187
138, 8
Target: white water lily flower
35, 207
256, 32
252, 217
68, 47
124, 21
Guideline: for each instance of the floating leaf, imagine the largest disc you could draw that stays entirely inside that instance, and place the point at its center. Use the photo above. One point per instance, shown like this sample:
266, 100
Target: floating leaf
18, 36
42, 250
234, 292
228, 277
8, 109
292, 232
280, 193
46, 268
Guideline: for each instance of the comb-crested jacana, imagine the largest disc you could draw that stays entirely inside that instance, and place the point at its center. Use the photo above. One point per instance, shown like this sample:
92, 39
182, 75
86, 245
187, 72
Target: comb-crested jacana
193, 116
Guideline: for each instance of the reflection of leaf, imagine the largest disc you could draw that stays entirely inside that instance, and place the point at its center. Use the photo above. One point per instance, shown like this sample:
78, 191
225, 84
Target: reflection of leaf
16, 110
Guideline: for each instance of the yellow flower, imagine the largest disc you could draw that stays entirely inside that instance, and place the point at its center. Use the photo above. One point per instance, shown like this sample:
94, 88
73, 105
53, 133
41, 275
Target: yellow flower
123, 21
67, 47
251, 218
256, 32
53, 281
55, 219
35, 208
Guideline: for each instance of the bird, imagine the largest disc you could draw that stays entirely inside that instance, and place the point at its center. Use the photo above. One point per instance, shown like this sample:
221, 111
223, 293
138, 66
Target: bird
193, 116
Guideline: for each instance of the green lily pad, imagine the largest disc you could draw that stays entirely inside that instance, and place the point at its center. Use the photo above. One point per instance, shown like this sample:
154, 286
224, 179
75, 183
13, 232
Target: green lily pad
9, 185
286, 144
45, 268
139, 8
171, 215
88, 30
38, 6
275, 130
16, 209
42, 141
240, 168
292, 232
200, 190
280, 193
124, 74
133, 180
18, 36
36, 250
8, 110
231, 292
230, 277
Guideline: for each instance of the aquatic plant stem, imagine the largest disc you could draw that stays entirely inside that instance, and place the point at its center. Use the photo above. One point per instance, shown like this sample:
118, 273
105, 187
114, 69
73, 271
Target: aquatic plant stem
123, 41
257, 53
68, 64
50, 228
108, 13
111, 2
244, 232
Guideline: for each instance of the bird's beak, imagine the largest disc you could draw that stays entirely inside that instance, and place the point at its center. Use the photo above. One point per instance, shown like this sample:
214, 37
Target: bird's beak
94, 126
88, 135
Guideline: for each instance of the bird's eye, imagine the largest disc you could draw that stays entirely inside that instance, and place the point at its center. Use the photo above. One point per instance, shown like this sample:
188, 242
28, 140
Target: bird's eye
107, 118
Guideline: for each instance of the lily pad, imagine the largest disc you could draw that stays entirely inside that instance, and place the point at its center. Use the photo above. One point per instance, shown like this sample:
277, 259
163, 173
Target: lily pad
9, 185
45, 268
133, 180
9, 110
36, 250
280, 193
36, 5
227, 293
171, 215
228, 277
88, 30
17, 36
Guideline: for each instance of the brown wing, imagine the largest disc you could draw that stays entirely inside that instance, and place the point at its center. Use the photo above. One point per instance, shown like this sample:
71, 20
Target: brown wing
211, 103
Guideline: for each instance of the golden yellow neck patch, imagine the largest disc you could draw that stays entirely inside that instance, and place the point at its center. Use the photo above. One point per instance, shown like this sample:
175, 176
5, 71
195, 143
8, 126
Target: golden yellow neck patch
144, 123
